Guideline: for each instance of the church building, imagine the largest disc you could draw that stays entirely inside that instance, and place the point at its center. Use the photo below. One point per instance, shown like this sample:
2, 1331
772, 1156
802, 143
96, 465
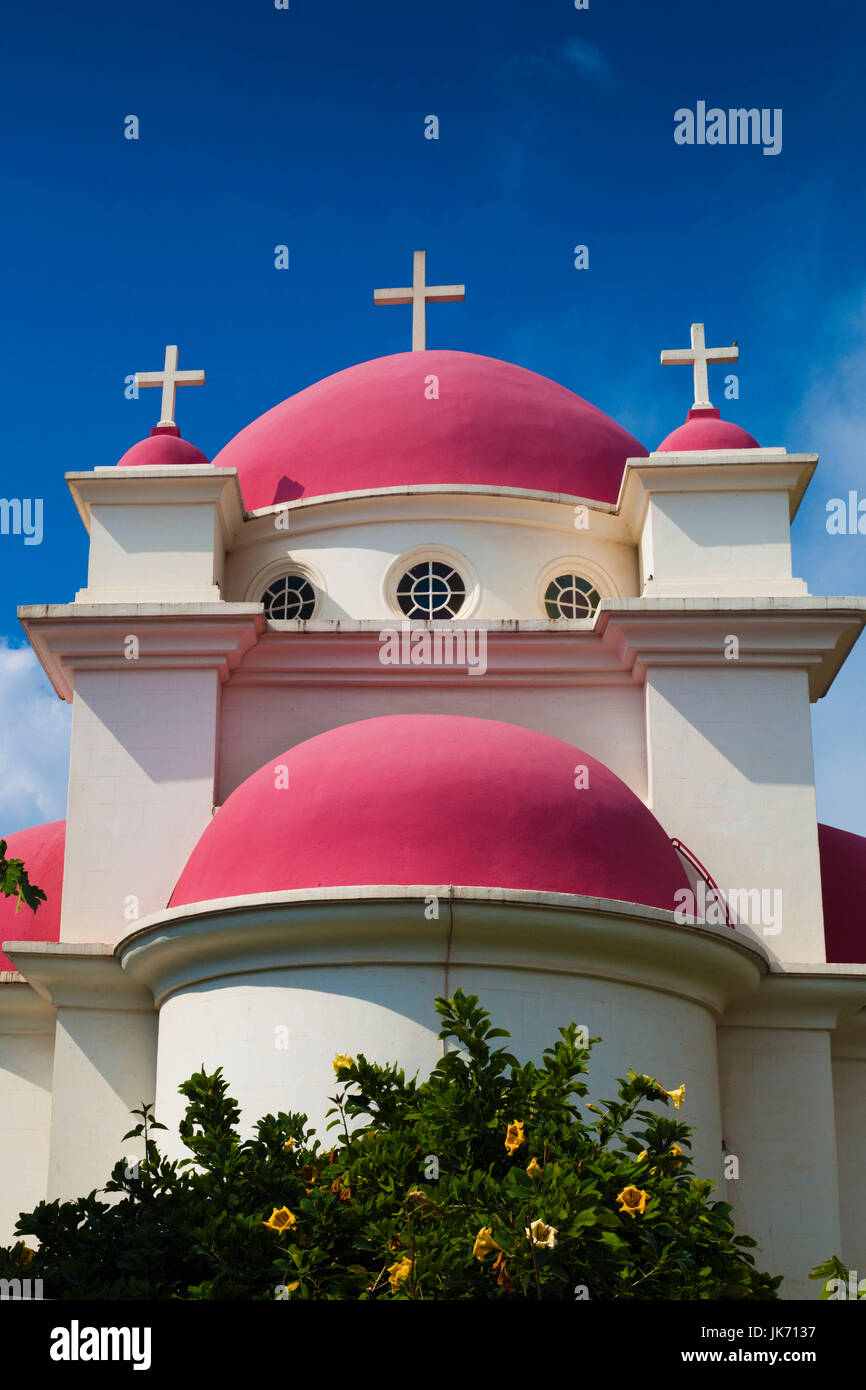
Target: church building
436, 677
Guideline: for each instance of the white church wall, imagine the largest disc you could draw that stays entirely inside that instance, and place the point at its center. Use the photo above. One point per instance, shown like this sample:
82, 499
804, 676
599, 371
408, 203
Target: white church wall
720, 543
104, 1067
259, 722
508, 559
387, 1013
661, 1035
151, 551
26, 1061
731, 774
275, 1034
779, 1123
140, 793
849, 1083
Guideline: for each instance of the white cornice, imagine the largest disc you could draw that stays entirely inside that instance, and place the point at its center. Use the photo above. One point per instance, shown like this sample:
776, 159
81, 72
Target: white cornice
626, 638
163, 487
805, 996
22, 1008
387, 926
80, 975
74, 637
712, 470
431, 504
434, 491
812, 634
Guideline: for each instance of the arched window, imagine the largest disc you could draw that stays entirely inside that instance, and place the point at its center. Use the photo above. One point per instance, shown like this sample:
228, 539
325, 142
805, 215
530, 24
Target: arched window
290, 596
431, 589
569, 596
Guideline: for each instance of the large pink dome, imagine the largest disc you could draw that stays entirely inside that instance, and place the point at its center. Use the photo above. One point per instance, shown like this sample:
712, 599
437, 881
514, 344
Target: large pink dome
432, 799
494, 425
41, 849
843, 884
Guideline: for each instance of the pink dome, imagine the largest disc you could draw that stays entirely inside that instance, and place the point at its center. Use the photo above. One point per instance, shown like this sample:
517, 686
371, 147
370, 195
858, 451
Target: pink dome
162, 449
704, 429
41, 848
843, 885
494, 425
433, 799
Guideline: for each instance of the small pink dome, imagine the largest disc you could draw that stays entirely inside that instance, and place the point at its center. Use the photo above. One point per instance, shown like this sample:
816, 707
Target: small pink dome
493, 425
843, 886
162, 449
434, 799
704, 429
41, 848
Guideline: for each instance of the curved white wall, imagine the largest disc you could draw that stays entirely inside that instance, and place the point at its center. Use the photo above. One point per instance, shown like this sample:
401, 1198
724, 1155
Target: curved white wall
387, 1013
509, 544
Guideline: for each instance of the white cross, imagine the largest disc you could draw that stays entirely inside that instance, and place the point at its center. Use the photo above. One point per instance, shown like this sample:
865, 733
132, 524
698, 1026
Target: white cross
169, 379
699, 355
418, 294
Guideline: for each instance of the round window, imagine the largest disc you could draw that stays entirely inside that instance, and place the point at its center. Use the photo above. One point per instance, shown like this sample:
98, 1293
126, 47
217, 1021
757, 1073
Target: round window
569, 596
290, 596
431, 589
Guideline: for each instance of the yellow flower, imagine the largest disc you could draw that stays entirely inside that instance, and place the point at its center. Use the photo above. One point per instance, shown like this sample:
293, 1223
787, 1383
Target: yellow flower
677, 1152
534, 1170
398, 1272
500, 1268
342, 1061
544, 1237
24, 1256
642, 1155
514, 1137
281, 1219
677, 1096
341, 1189
484, 1243
288, 1146
633, 1200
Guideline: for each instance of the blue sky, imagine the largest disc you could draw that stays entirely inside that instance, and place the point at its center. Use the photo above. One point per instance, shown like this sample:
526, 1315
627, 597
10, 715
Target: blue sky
305, 127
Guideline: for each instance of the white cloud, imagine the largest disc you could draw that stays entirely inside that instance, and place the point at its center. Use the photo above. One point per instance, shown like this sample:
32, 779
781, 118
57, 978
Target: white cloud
556, 59
831, 418
34, 743
589, 60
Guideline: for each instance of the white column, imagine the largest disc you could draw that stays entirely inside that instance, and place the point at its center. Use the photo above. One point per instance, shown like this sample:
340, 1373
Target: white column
141, 792
26, 1052
145, 684
849, 1085
104, 1060
731, 774
779, 1119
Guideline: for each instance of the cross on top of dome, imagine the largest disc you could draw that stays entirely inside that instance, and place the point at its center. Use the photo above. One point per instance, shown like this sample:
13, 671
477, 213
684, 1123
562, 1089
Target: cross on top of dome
697, 356
169, 379
419, 294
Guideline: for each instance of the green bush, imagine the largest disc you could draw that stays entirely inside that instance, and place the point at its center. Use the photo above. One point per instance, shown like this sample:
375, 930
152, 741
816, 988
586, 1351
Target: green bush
492, 1179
